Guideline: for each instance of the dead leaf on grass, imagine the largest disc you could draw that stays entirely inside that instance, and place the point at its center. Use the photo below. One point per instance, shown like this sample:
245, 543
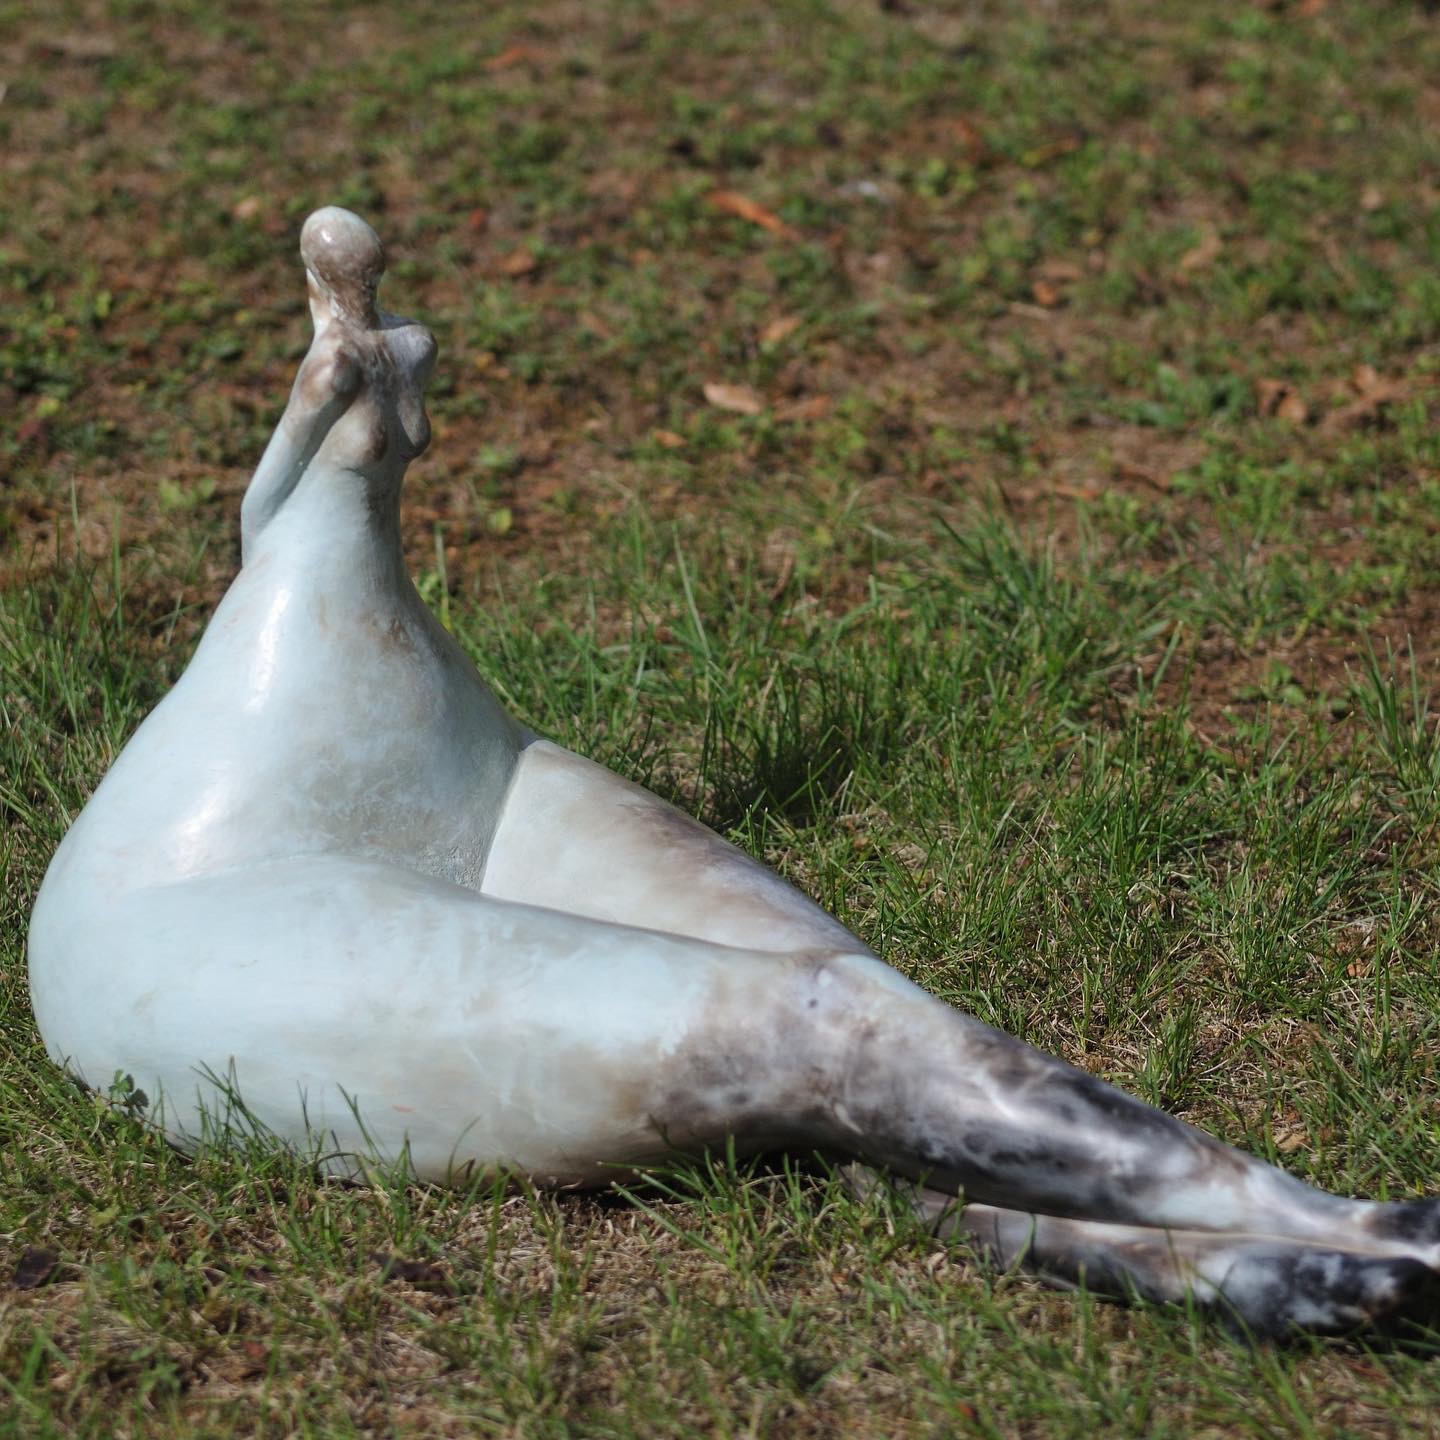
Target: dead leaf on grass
588, 320
777, 561
1052, 150
512, 56
1202, 254
1030, 312
668, 438
1292, 410
744, 208
741, 399
1124, 470
1046, 294
92, 48
811, 407
1375, 394
248, 208
1280, 399
781, 329
519, 262
35, 1268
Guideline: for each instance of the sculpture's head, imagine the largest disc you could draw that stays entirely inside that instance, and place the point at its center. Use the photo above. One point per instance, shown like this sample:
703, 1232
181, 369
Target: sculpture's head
344, 261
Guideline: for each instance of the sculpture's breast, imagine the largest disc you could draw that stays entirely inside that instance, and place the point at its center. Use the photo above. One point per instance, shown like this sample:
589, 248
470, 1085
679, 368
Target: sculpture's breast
360, 438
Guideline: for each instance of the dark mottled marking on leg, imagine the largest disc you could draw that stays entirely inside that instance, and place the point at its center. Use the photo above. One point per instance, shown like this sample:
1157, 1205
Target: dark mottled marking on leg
1262, 1286
1013, 1126
1274, 1292
838, 1058
1417, 1221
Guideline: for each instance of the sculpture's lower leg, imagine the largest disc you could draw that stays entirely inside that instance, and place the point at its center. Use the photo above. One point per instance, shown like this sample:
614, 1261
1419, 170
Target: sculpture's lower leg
1269, 1284
942, 1098
1085, 1183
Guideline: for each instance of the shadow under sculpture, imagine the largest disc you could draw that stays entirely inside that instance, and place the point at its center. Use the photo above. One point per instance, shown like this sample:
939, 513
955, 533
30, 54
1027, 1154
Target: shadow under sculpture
331, 868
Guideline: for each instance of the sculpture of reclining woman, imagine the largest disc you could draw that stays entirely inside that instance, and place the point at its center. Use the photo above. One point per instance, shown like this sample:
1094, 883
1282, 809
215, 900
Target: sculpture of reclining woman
331, 877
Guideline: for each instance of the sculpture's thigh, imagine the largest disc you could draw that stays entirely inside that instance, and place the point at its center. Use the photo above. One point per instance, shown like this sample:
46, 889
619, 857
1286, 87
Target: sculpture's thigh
576, 836
360, 1007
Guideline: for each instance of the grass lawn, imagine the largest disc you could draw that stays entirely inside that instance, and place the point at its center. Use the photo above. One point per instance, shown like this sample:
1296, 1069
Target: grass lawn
980, 457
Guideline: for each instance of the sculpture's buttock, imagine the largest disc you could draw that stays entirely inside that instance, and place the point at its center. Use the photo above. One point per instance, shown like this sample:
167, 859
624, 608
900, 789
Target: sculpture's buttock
332, 881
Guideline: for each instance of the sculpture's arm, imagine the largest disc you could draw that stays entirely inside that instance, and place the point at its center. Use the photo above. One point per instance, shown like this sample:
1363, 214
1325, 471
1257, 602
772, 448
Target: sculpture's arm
329, 380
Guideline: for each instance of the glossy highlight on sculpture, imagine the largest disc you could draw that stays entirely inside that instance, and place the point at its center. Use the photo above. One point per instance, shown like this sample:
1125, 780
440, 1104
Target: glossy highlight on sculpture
331, 880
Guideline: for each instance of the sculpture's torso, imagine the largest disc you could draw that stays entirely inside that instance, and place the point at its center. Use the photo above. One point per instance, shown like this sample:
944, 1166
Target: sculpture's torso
325, 710
315, 717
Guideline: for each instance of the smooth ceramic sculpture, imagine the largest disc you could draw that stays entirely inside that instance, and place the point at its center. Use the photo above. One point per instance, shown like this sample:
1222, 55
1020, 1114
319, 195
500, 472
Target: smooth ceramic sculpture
332, 881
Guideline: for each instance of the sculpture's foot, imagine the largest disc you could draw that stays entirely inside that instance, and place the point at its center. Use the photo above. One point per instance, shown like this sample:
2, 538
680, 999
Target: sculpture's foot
1265, 1286
1413, 1222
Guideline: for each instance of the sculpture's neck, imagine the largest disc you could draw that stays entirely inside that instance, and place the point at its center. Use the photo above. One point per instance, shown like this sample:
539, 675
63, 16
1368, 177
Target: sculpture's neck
340, 532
